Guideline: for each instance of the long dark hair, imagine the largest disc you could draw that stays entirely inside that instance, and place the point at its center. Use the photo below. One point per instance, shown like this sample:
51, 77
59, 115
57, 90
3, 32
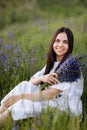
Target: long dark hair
52, 55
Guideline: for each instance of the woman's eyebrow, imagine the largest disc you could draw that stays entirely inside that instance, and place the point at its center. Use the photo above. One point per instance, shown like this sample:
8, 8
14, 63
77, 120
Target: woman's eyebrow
65, 40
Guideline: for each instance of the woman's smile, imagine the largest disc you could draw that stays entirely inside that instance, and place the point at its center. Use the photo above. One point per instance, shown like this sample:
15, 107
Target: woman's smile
60, 45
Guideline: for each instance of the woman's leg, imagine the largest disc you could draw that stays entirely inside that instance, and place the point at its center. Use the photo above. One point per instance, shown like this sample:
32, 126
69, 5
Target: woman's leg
15, 91
4, 117
21, 88
19, 107
2, 109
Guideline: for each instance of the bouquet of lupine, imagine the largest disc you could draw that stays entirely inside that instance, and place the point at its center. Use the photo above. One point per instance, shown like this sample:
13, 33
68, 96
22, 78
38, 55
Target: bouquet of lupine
70, 70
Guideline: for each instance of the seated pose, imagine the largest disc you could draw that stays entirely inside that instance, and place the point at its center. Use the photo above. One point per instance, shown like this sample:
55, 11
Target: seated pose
27, 99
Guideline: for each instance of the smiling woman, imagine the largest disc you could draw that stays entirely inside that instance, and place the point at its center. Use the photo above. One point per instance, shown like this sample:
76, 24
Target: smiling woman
60, 45
26, 99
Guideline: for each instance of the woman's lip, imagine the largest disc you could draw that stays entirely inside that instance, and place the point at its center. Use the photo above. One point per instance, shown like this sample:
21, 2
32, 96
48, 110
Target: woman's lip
59, 49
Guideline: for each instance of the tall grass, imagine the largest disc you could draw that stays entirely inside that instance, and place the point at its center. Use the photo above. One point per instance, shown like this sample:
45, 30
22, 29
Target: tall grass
50, 119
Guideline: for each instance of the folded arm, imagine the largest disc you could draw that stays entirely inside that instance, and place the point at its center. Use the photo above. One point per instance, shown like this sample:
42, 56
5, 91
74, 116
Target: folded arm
39, 96
48, 78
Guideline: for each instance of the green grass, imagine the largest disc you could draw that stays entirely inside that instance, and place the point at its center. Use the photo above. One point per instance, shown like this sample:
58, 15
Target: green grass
51, 119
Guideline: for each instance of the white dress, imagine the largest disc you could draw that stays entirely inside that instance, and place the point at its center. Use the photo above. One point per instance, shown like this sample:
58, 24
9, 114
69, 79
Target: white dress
69, 98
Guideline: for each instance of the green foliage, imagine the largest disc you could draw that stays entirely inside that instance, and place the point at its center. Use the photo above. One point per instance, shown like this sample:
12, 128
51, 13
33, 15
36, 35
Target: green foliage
9, 3
21, 11
58, 2
16, 65
51, 119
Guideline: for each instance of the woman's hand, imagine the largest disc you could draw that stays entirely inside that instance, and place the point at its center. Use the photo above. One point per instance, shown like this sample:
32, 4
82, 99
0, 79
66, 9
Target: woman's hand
50, 78
12, 100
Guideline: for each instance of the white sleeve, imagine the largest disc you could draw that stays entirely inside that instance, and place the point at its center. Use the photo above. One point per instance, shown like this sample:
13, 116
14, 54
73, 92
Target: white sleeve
74, 88
39, 73
61, 86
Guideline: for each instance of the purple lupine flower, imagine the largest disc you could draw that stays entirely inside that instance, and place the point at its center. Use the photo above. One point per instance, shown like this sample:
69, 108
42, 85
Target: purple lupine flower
11, 36
3, 58
0, 50
1, 45
8, 47
1, 42
70, 70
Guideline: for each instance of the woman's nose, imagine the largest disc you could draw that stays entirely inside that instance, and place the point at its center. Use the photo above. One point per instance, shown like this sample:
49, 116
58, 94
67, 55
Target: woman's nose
60, 44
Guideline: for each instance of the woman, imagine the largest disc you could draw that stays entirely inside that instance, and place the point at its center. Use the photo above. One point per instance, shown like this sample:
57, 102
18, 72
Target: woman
26, 99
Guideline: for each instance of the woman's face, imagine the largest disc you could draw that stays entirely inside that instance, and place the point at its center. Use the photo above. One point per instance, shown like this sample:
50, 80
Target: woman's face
60, 45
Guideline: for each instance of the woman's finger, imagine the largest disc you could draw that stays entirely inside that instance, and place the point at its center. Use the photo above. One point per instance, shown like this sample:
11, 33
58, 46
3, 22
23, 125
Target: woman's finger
8, 102
54, 75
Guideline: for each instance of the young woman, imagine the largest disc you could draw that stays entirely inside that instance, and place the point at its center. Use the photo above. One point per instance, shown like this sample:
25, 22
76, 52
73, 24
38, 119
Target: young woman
26, 99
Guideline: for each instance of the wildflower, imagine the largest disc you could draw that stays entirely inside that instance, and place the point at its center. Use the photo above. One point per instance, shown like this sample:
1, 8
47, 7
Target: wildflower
70, 70
1, 42
3, 58
9, 47
11, 36
1, 45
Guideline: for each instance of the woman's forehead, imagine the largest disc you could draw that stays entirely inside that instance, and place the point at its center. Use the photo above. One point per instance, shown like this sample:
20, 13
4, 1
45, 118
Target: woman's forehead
62, 36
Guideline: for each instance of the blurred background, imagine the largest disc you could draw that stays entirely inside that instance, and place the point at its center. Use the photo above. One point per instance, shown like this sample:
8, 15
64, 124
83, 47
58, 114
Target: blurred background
26, 29
21, 11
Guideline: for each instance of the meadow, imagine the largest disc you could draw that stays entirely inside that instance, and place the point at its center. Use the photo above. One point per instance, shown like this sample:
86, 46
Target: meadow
25, 36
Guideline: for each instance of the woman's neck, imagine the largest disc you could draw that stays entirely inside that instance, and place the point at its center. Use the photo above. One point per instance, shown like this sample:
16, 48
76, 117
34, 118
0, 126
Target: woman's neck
59, 58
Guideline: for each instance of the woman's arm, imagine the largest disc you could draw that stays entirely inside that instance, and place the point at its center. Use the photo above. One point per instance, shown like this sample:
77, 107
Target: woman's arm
42, 95
39, 96
48, 78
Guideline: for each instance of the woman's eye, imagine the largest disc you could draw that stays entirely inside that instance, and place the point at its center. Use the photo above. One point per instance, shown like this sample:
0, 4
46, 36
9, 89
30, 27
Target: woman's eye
66, 42
57, 40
